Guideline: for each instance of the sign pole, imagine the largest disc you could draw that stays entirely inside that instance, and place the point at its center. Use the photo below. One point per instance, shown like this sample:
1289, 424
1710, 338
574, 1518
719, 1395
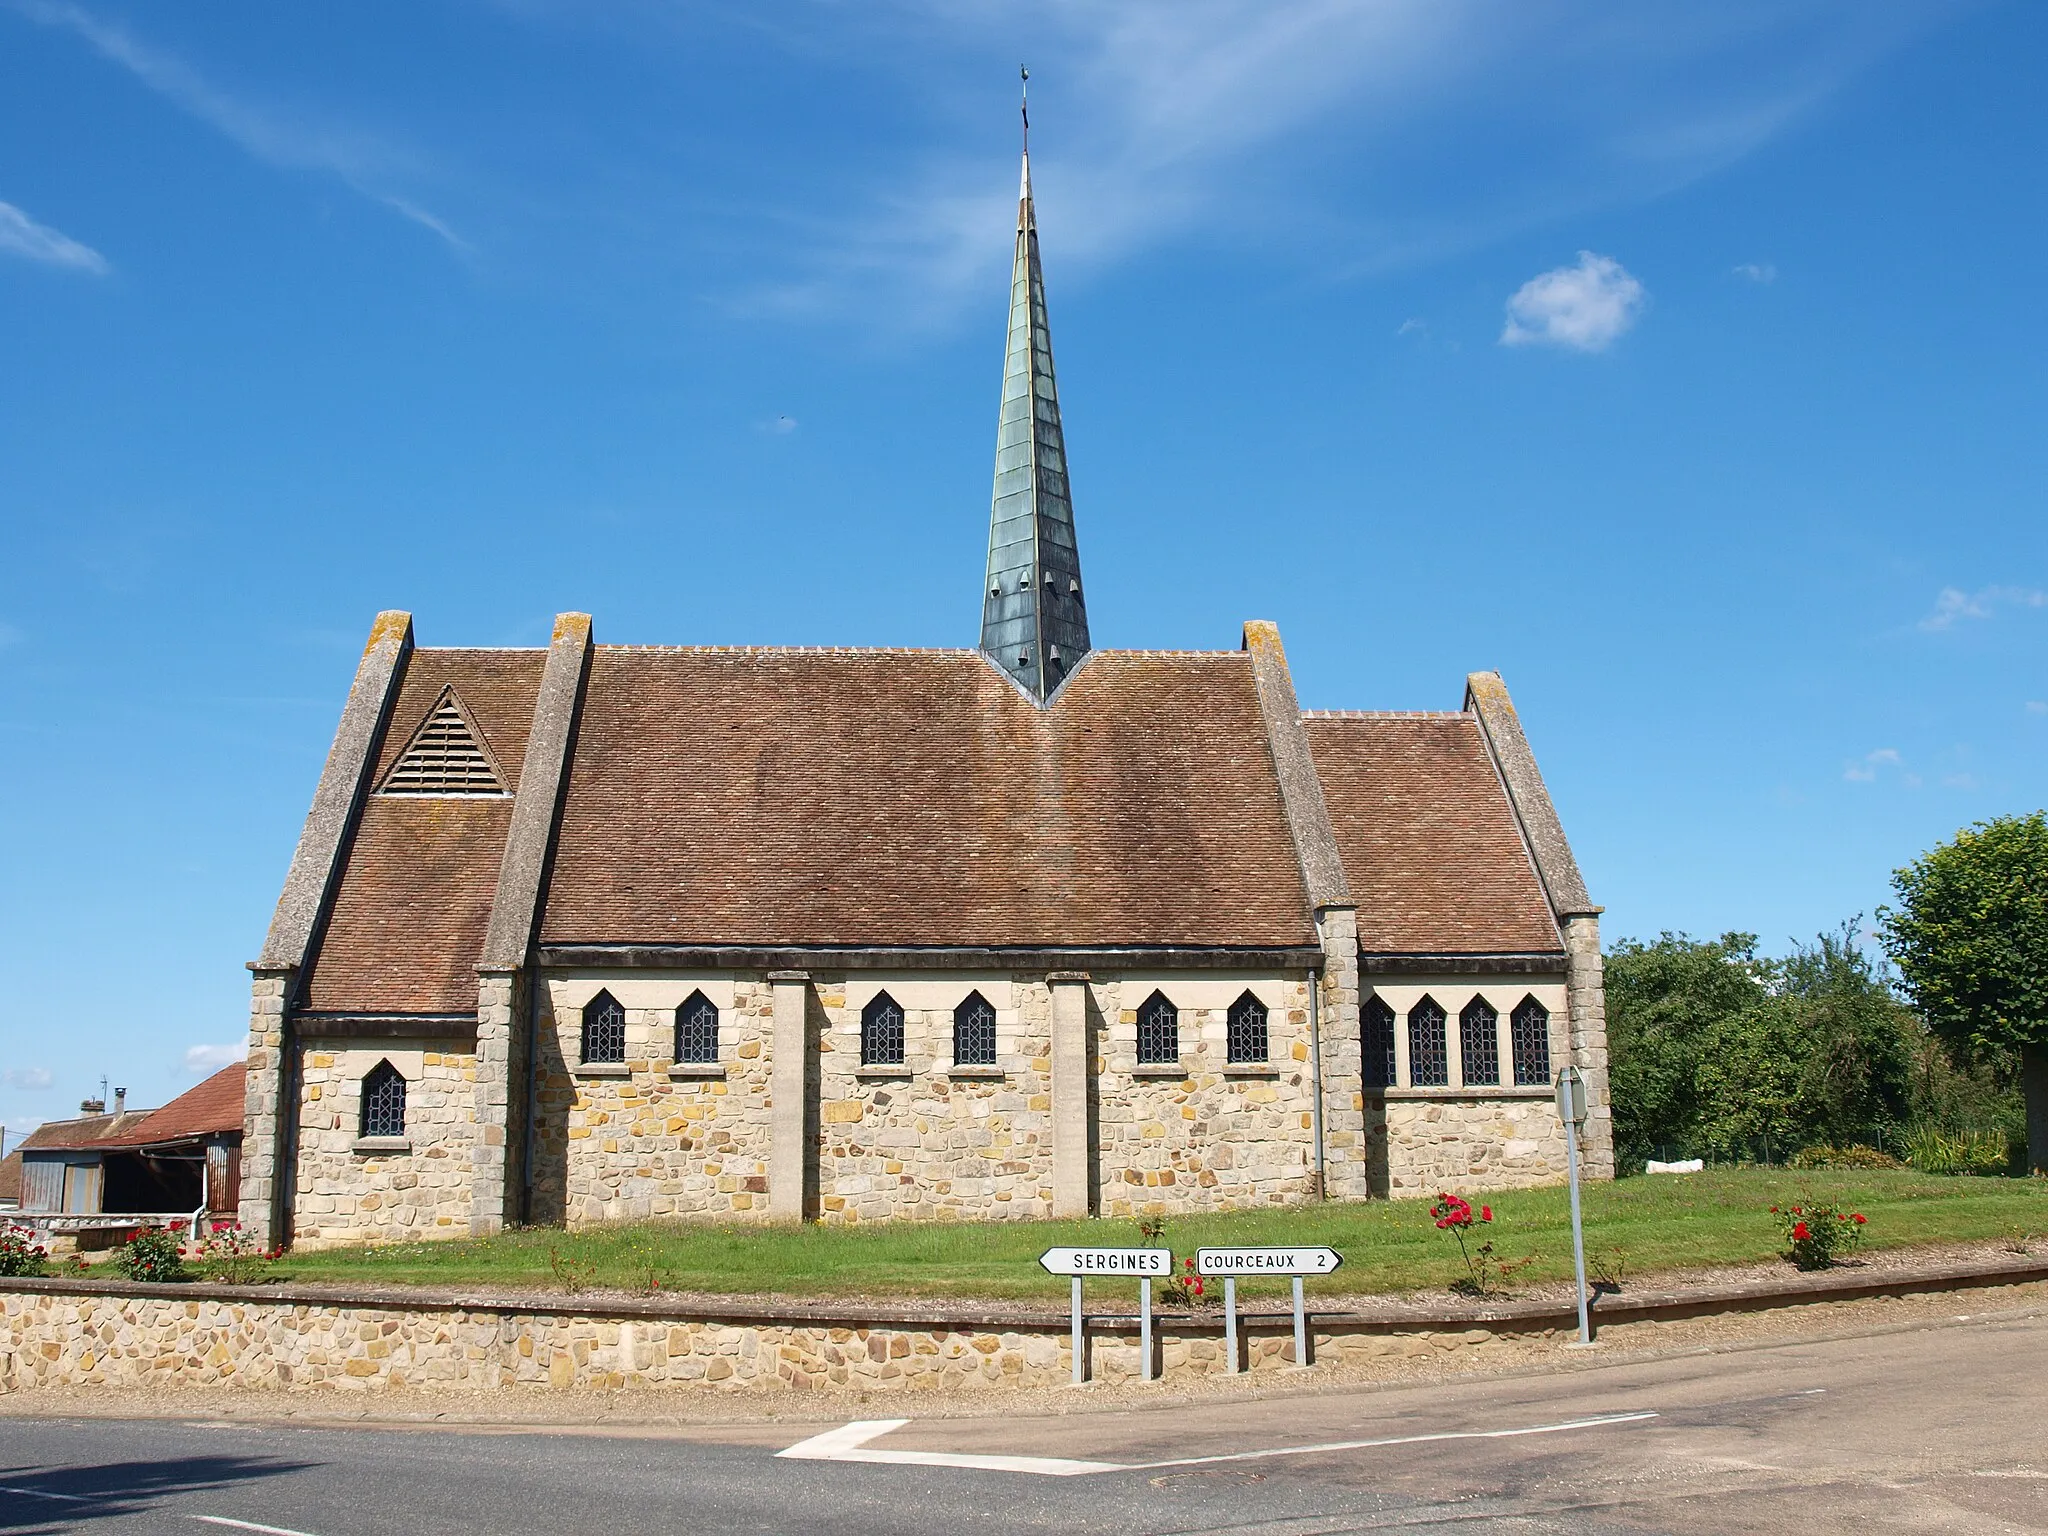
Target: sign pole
1571, 1106
1080, 1339
1230, 1324
1300, 1326
1145, 1325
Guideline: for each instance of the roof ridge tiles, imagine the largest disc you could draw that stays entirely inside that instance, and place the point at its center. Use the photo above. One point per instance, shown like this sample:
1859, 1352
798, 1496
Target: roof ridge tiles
1387, 714
886, 650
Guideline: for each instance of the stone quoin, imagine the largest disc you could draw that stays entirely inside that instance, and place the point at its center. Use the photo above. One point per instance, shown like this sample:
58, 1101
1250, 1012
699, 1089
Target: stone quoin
587, 932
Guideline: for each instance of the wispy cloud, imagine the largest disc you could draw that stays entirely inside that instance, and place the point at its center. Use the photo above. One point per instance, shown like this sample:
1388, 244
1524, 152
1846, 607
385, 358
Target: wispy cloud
1377, 132
1582, 308
1756, 272
291, 140
203, 1059
1953, 604
21, 235
2037, 706
1865, 768
28, 1079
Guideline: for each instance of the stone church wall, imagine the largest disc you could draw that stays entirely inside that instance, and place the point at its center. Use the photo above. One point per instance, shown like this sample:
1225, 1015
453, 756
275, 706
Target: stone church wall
1463, 1139
349, 1192
648, 1139
931, 1139
1208, 1136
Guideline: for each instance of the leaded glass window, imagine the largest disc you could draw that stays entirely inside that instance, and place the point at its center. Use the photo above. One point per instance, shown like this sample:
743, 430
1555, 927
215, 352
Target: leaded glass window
1158, 1032
604, 1030
1378, 1019
1247, 1030
974, 1032
697, 1031
881, 1032
1529, 1031
1479, 1042
383, 1101
1429, 1055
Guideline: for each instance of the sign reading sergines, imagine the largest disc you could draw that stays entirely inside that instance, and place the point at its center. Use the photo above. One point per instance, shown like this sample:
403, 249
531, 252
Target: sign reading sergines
1266, 1261
1137, 1262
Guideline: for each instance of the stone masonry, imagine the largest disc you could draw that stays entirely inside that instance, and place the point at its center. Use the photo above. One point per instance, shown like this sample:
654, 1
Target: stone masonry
349, 1189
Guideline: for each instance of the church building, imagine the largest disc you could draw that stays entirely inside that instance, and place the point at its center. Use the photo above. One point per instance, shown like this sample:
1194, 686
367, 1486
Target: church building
589, 932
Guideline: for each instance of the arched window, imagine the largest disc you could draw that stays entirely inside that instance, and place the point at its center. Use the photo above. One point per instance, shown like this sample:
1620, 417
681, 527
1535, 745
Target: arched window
697, 1030
1158, 1032
974, 1032
1479, 1042
1429, 1056
604, 1030
383, 1101
1378, 1019
1529, 1029
1247, 1031
881, 1032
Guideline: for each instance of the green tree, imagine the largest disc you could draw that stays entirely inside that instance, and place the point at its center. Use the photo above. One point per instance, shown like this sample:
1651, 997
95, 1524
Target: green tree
1970, 937
1663, 999
1826, 1059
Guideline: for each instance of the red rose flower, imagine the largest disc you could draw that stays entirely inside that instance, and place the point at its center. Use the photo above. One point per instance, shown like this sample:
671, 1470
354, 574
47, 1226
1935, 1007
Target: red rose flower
1486, 1213
1799, 1233
1857, 1219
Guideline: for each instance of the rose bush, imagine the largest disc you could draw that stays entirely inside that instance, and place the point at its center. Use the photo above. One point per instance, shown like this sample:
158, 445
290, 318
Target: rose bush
1815, 1232
151, 1253
22, 1251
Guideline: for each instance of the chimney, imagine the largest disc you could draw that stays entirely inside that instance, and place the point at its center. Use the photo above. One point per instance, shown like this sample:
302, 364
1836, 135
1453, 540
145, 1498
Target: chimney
120, 1101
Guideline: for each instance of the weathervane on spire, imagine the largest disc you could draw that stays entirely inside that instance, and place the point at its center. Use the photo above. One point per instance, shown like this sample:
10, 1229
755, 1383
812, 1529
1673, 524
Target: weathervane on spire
1034, 618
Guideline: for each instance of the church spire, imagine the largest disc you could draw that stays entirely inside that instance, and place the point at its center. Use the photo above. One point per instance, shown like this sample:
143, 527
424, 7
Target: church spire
1034, 624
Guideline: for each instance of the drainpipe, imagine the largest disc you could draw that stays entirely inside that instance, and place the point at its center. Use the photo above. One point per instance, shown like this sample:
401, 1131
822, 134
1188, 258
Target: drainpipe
1315, 1071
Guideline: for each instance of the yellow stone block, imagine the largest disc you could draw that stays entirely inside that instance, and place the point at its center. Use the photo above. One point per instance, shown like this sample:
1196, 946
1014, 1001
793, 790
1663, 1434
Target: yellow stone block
749, 1049
1041, 1101
578, 1132
842, 1111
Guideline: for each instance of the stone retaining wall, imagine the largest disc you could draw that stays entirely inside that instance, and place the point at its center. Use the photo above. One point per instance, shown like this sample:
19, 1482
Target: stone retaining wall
84, 1332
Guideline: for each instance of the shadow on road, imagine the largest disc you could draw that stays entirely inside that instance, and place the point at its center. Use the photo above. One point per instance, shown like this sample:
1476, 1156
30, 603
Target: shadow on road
34, 1500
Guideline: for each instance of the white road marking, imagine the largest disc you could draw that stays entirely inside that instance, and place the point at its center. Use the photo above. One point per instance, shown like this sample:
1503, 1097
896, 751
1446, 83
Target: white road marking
849, 1442
249, 1525
1367, 1445
37, 1493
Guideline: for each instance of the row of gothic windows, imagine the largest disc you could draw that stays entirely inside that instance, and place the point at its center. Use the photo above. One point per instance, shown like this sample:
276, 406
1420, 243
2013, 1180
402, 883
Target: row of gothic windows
1429, 1056
604, 1031
882, 1039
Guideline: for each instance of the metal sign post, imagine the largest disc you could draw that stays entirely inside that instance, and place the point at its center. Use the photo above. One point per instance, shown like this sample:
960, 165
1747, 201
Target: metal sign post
1145, 1263
1571, 1110
1294, 1262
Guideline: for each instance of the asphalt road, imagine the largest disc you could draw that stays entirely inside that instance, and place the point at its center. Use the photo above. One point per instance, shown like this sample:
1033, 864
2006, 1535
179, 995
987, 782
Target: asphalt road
1929, 1430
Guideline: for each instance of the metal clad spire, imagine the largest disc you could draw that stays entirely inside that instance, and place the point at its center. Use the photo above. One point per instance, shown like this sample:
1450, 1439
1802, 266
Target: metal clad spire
1034, 622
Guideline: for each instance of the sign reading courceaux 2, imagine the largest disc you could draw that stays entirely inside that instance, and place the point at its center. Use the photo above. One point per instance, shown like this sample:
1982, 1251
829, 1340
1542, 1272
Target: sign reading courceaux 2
1266, 1261
1140, 1263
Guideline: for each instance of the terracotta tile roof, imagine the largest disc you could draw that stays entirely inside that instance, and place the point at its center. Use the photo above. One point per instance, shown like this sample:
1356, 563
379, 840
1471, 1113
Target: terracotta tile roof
213, 1107
10, 1179
80, 1131
1429, 840
408, 922
731, 796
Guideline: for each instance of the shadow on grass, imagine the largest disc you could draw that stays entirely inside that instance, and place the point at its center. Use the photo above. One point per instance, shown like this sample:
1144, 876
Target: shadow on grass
34, 1500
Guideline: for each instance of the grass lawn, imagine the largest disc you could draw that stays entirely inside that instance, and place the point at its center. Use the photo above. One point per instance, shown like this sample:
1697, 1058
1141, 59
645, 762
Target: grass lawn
1660, 1222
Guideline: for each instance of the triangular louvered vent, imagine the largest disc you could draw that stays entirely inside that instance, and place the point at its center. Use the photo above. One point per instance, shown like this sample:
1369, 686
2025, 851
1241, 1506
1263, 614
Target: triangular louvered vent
446, 756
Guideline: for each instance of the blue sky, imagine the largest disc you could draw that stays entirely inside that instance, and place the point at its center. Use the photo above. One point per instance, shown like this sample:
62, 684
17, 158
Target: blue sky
1683, 362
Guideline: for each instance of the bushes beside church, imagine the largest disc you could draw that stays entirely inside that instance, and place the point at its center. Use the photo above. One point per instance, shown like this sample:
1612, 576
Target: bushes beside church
1718, 1051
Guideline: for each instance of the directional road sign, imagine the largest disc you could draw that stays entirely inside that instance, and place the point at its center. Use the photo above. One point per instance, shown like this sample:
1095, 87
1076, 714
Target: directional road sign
1266, 1261
1139, 1263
